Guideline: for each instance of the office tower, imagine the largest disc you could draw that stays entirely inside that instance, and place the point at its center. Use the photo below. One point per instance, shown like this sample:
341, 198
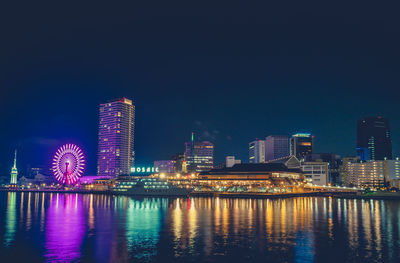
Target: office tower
199, 155
301, 144
116, 137
276, 146
257, 151
14, 171
373, 139
231, 161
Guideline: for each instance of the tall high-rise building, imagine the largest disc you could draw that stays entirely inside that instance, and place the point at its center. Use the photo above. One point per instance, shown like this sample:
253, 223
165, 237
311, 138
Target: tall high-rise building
301, 144
373, 139
199, 155
14, 171
116, 137
257, 151
276, 146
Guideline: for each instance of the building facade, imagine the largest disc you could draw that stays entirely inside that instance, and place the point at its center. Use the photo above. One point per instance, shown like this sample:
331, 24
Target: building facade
116, 138
276, 146
165, 166
373, 139
301, 144
334, 162
179, 161
199, 156
369, 174
257, 151
316, 172
231, 161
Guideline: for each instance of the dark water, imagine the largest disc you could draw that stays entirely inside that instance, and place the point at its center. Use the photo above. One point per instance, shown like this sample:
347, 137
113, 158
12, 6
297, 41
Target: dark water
37, 227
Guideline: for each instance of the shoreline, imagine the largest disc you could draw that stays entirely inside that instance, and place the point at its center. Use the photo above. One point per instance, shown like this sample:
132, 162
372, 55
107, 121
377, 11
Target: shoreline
347, 195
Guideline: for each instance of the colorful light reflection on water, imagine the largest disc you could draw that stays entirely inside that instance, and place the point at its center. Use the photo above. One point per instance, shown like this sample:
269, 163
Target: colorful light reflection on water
41, 227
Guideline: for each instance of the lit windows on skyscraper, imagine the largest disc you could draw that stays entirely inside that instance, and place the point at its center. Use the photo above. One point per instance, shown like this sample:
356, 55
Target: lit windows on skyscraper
276, 146
373, 139
116, 138
199, 155
301, 144
257, 151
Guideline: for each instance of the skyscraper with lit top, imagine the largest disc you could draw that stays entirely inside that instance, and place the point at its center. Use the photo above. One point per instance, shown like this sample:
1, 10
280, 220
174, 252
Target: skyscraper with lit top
199, 155
116, 138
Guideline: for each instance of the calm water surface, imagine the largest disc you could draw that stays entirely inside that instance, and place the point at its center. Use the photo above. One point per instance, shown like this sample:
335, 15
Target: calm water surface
37, 227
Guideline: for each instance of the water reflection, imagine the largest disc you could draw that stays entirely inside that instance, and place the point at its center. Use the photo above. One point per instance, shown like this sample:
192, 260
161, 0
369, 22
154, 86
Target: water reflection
11, 219
65, 228
104, 228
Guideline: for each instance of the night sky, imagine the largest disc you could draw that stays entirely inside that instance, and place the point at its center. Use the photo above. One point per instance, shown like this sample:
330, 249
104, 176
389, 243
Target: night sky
230, 72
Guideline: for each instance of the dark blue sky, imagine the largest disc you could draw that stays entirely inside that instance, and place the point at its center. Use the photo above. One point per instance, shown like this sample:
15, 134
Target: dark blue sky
229, 71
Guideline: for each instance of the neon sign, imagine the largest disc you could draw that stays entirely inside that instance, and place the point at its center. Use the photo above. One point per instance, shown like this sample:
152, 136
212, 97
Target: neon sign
144, 169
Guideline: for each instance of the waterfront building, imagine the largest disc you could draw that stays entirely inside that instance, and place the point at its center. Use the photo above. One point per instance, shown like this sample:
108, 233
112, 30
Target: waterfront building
231, 161
368, 174
373, 139
301, 144
276, 146
393, 172
37, 180
257, 151
316, 172
116, 138
334, 162
199, 155
165, 166
246, 177
14, 170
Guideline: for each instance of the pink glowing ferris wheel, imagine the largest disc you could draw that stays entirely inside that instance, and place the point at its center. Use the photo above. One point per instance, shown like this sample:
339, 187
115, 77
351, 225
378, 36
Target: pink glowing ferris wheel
68, 164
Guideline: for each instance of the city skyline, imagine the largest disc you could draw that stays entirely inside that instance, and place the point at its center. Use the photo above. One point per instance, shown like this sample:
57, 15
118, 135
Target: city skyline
230, 76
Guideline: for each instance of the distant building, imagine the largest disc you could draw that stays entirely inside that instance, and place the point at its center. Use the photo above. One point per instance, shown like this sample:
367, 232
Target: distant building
276, 146
199, 155
316, 172
393, 167
290, 162
301, 144
257, 151
116, 138
369, 174
179, 160
334, 162
165, 166
14, 170
373, 139
33, 171
39, 179
231, 161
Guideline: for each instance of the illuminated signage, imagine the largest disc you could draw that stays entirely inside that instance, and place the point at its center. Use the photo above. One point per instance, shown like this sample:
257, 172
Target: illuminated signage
144, 169
302, 135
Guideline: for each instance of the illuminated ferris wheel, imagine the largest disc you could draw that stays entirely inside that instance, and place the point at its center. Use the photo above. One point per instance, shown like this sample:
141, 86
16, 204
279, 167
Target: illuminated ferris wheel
68, 164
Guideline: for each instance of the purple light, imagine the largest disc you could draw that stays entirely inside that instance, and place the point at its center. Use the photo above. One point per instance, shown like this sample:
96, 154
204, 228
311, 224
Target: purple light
68, 164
